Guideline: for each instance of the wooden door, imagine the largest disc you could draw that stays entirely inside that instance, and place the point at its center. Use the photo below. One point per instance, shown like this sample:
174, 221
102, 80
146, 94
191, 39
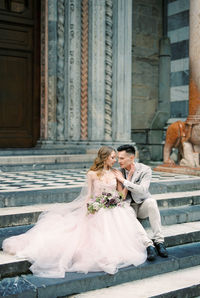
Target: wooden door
19, 73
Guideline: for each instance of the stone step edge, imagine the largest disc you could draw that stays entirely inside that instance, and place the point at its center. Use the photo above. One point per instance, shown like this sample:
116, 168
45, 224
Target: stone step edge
169, 216
183, 196
191, 291
157, 193
191, 233
158, 286
47, 159
181, 257
157, 197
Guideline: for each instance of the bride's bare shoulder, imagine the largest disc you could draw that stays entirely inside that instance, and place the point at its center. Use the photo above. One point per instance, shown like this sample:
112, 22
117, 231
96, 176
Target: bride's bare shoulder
91, 174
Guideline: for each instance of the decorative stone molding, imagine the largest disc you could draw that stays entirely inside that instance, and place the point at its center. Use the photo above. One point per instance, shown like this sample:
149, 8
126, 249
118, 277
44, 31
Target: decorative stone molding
108, 70
84, 70
60, 71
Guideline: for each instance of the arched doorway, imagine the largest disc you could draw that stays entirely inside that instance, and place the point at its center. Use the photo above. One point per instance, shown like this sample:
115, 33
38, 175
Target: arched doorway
19, 73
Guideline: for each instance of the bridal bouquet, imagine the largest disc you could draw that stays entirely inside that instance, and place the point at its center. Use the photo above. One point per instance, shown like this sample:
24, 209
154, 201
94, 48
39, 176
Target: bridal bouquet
105, 200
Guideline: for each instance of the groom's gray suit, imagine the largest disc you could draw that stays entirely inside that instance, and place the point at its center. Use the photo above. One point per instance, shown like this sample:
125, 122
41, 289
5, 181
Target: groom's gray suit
141, 199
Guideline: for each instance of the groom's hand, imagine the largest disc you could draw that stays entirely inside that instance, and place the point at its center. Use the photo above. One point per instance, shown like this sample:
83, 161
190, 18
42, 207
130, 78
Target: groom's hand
130, 174
119, 176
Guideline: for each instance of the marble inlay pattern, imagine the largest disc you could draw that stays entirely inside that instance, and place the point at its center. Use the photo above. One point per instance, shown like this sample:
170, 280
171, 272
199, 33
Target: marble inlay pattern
69, 178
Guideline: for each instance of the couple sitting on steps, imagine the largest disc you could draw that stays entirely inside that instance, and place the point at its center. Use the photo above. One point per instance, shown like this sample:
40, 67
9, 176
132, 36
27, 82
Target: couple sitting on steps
99, 230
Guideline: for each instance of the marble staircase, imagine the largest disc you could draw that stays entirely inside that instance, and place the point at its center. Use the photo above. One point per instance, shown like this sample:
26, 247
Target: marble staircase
179, 203
38, 159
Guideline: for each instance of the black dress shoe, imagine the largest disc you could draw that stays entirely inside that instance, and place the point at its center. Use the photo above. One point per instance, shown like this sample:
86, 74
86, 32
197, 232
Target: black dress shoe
161, 249
151, 253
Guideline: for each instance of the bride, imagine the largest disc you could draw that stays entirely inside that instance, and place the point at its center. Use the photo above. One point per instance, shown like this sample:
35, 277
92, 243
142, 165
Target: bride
95, 232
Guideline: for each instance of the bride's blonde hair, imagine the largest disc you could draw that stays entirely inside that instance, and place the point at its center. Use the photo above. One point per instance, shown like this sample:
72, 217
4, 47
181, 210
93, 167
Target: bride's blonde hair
102, 155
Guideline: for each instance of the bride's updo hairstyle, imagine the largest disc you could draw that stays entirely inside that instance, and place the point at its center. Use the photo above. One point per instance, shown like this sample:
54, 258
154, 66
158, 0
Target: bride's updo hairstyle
102, 155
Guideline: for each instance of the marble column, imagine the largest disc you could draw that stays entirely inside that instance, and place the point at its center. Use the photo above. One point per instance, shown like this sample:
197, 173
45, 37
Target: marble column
122, 67
60, 94
44, 70
72, 69
52, 69
96, 77
194, 58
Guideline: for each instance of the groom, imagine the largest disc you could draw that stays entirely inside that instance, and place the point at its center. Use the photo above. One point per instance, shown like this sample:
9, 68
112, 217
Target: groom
138, 193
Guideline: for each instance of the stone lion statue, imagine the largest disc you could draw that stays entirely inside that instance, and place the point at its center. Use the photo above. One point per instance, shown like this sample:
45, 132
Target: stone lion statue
186, 138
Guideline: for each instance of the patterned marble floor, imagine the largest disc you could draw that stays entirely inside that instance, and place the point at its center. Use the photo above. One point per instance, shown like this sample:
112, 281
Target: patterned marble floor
34, 180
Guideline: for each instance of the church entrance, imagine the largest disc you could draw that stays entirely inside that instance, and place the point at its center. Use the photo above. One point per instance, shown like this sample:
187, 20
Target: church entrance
19, 73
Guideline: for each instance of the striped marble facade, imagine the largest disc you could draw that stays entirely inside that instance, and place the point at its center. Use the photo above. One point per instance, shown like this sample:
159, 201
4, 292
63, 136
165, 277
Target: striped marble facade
87, 75
178, 32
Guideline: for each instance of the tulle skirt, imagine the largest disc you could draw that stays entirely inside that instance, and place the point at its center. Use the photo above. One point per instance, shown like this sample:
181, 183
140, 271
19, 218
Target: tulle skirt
76, 241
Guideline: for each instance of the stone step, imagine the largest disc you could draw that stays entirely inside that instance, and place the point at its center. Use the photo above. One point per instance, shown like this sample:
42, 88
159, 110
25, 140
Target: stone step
176, 234
40, 195
186, 283
42, 151
45, 162
173, 185
64, 191
180, 257
175, 199
15, 216
177, 215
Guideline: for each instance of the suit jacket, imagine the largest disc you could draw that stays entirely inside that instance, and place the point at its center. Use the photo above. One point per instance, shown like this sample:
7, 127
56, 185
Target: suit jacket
138, 187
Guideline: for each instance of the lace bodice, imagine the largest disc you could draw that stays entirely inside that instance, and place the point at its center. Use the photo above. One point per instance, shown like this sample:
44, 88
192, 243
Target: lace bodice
100, 186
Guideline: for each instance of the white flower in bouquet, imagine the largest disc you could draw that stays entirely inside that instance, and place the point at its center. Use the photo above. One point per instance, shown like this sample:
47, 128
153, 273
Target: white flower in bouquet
105, 200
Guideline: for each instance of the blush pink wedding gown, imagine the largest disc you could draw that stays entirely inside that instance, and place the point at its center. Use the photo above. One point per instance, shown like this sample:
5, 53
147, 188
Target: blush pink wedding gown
67, 239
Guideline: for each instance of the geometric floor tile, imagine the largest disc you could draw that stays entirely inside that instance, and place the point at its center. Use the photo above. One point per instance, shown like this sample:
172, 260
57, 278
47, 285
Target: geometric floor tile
32, 180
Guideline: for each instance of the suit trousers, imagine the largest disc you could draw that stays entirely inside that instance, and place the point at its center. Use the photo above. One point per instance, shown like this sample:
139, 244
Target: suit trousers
149, 208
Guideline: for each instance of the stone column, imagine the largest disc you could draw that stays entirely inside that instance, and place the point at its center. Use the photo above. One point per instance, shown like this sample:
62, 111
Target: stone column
122, 66
108, 133
60, 104
72, 66
194, 58
96, 78
163, 109
52, 63
44, 71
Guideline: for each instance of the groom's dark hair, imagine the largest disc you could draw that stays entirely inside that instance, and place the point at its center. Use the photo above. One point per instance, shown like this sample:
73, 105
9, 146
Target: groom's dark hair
128, 148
